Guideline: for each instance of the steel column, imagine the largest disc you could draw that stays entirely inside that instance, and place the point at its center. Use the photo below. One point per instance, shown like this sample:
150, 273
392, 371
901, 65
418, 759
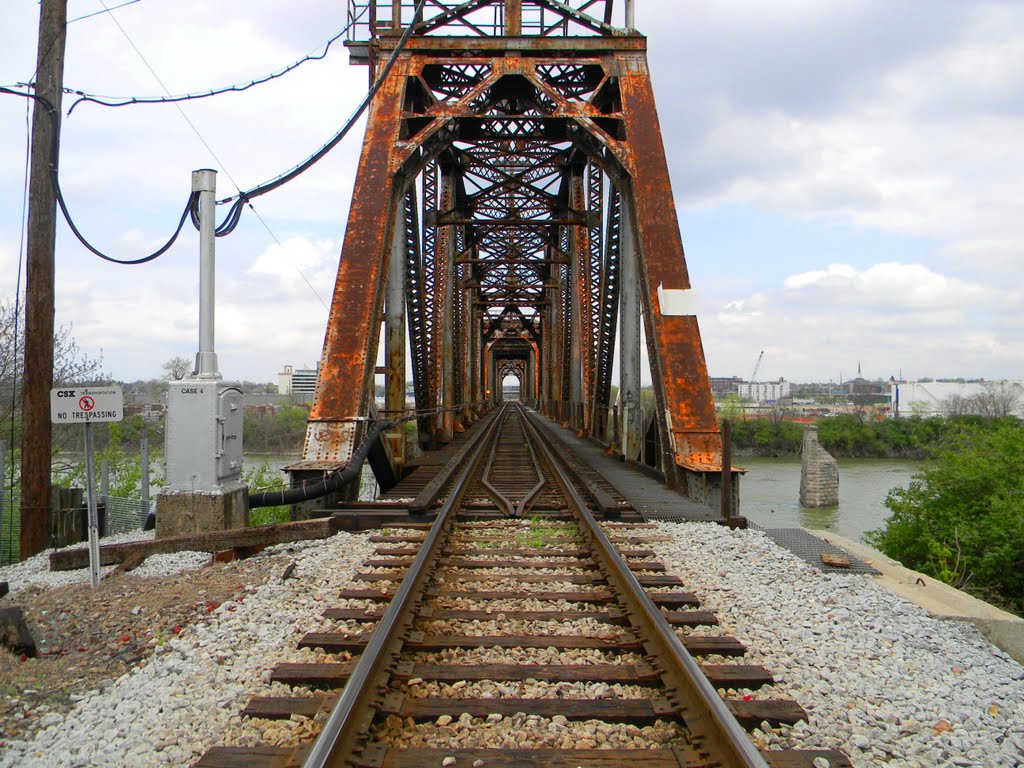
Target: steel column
394, 328
629, 336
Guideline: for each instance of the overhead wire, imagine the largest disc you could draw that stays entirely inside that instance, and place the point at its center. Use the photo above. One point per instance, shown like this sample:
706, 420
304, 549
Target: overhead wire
128, 101
242, 198
51, 112
105, 10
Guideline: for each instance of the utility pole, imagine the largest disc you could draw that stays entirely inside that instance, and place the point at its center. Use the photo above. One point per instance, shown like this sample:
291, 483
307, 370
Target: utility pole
36, 437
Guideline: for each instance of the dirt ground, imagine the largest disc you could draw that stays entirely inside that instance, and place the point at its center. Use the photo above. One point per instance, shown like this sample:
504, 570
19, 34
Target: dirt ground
88, 638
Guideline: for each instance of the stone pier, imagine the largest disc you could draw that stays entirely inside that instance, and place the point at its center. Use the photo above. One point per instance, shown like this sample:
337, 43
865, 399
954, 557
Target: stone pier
819, 473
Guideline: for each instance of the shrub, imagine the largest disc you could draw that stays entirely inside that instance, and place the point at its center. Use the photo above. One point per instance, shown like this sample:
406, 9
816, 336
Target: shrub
961, 519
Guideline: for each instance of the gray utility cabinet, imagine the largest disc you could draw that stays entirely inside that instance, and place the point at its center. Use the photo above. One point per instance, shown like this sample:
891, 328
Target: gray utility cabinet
204, 435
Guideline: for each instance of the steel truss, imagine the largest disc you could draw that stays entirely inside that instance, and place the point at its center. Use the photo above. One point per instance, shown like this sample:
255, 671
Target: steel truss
527, 149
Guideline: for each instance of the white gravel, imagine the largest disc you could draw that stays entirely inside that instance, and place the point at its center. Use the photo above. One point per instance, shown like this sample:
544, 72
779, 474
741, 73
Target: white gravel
35, 571
188, 697
879, 677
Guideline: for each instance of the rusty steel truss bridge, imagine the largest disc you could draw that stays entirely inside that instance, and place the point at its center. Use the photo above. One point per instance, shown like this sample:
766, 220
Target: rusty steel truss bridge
512, 215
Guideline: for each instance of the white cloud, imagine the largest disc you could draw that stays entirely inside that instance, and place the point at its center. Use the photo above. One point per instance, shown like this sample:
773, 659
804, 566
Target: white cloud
824, 322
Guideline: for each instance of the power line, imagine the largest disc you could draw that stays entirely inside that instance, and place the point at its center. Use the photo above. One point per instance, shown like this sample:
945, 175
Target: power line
105, 10
176, 106
127, 101
242, 198
51, 113
234, 214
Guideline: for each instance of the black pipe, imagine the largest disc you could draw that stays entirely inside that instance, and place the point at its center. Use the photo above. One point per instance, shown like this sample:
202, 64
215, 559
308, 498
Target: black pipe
327, 484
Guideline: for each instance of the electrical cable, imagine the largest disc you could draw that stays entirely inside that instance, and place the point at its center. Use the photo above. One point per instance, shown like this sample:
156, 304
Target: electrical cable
127, 101
234, 214
51, 112
17, 328
105, 10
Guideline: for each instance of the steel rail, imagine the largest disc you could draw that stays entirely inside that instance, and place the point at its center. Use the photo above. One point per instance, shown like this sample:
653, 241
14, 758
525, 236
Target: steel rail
352, 713
513, 508
705, 714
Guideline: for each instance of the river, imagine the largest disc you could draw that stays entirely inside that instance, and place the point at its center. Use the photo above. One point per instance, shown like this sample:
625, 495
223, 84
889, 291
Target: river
770, 494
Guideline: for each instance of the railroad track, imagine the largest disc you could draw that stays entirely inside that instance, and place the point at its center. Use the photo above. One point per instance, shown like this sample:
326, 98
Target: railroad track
538, 636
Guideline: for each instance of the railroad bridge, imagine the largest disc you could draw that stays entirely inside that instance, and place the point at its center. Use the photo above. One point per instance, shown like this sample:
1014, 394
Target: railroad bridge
512, 215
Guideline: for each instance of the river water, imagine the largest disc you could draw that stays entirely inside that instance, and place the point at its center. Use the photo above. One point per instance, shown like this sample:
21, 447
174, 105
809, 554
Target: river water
770, 494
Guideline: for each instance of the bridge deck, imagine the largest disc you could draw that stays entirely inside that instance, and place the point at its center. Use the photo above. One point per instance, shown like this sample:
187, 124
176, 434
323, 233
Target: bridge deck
649, 497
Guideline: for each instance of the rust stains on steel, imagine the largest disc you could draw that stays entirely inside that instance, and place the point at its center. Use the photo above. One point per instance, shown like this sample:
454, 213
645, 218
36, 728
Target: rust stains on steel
350, 343
676, 349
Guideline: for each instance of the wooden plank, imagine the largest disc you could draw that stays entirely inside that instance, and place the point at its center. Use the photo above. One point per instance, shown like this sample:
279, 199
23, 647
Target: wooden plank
417, 757
367, 594
379, 538
591, 673
835, 560
245, 757
658, 580
335, 674
336, 642
667, 599
636, 711
372, 613
14, 632
456, 562
209, 541
691, 618
526, 578
750, 714
283, 707
328, 674
737, 675
804, 758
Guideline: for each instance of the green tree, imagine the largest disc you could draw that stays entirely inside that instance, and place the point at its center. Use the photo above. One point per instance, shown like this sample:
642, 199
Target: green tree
961, 519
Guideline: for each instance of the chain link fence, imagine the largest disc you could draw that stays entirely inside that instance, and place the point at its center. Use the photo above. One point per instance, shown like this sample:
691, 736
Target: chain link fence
117, 515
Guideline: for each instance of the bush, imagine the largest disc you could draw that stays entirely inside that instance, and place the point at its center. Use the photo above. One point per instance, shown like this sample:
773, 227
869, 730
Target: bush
961, 520
262, 478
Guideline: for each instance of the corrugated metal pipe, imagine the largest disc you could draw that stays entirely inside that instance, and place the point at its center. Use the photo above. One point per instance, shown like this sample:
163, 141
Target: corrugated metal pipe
327, 484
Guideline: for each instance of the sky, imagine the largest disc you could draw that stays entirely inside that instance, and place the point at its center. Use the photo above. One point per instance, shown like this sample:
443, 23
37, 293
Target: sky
847, 175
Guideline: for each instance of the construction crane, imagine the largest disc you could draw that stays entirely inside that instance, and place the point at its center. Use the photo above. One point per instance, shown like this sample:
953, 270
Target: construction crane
757, 367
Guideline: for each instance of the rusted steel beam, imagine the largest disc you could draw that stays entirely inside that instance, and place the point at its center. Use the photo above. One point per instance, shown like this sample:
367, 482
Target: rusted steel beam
553, 46
685, 408
345, 384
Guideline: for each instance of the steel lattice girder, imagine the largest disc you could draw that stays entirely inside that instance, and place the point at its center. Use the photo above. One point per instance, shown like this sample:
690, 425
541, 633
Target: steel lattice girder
511, 125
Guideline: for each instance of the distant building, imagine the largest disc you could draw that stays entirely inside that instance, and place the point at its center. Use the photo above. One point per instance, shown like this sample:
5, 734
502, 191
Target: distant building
151, 412
861, 386
723, 386
955, 398
297, 381
764, 391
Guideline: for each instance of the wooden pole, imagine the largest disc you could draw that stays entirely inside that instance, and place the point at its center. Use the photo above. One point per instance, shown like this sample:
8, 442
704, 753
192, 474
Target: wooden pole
42, 229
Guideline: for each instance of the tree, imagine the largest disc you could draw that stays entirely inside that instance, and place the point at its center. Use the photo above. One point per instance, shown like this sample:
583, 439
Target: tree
961, 519
177, 368
70, 366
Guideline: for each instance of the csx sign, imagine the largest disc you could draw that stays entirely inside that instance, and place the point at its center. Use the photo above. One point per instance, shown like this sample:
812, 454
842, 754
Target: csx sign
86, 404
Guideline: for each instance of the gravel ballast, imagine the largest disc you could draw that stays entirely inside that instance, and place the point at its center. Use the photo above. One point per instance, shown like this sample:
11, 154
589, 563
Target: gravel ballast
879, 678
188, 695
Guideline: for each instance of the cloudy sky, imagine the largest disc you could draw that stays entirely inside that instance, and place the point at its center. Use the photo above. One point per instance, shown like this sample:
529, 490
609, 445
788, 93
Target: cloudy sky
847, 173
